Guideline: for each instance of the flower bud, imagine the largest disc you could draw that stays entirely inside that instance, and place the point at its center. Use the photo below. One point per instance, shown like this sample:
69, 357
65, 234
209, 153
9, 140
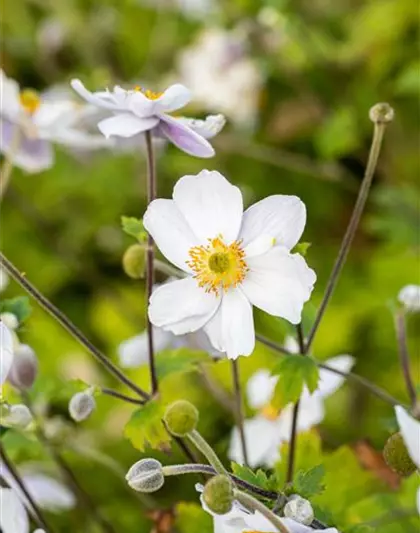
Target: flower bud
409, 297
24, 368
10, 320
134, 260
397, 457
18, 416
218, 494
81, 405
381, 113
146, 476
299, 510
181, 417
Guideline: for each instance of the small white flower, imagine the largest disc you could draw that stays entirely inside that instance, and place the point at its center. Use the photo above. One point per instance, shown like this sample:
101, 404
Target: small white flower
270, 427
6, 352
139, 110
222, 76
410, 431
29, 124
233, 260
409, 296
240, 520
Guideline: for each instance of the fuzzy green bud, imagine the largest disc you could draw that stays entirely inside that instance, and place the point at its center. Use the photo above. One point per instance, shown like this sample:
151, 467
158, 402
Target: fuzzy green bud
134, 260
397, 457
146, 476
181, 417
82, 405
381, 113
218, 494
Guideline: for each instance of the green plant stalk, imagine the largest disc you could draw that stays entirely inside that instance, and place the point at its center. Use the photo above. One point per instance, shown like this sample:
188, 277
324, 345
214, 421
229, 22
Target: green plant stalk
201, 444
239, 414
252, 504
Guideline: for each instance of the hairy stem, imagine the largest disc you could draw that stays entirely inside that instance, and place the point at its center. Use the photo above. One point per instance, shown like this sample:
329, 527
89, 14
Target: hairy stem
239, 409
252, 504
208, 452
404, 356
380, 114
66, 323
35, 510
151, 195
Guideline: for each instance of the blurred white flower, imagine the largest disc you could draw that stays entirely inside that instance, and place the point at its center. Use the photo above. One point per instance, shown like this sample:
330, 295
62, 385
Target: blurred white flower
139, 110
409, 296
6, 352
271, 427
222, 76
17, 416
18, 362
4, 279
241, 520
410, 431
194, 9
233, 260
29, 124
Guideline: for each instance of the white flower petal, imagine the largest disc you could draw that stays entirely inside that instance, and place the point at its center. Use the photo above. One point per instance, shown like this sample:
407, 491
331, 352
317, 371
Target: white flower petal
410, 430
13, 515
260, 388
311, 412
261, 437
259, 246
51, 112
9, 97
207, 128
103, 99
291, 344
183, 137
279, 283
171, 232
282, 217
134, 352
126, 125
175, 97
237, 324
330, 382
214, 332
210, 204
409, 296
49, 493
6, 352
181, 306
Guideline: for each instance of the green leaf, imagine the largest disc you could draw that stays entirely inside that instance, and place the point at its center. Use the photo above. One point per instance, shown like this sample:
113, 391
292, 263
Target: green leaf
19, 306
294, 372
309, 483
180, 360
134, 227
302, 248
258, 478
145, 427
192, 518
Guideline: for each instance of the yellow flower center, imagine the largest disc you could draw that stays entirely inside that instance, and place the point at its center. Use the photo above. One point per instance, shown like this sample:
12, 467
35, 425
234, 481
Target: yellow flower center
217, 265
151, 95
29, 100
270, 412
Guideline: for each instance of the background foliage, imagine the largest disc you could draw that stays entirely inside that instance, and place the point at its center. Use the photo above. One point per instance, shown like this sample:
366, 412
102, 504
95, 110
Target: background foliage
324, 63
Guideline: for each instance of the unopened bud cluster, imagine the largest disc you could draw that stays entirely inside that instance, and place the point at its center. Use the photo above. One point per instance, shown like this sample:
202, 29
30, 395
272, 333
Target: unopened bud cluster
146, 476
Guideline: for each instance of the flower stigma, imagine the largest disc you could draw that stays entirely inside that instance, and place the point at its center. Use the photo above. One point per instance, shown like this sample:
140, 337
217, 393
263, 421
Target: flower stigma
151, 95
218, 265
29, 100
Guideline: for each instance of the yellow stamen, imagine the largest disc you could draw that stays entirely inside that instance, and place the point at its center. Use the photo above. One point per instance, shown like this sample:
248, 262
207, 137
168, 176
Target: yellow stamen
29, 100
151, 95
270, 412
217, 265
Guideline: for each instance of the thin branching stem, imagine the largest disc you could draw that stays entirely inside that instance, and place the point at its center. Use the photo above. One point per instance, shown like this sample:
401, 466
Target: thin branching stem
121, 396
239, 413
67, 324
404, 355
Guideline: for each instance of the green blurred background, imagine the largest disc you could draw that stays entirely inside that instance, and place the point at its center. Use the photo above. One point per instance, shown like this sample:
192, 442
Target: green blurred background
313, 70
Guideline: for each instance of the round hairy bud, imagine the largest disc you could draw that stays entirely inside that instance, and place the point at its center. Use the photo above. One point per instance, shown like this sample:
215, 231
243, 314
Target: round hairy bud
146, 476
10, 320
82, 405
397, 457
299, 510
134, 260
181, 417
24, 368
381, 113
218, 494
18, 416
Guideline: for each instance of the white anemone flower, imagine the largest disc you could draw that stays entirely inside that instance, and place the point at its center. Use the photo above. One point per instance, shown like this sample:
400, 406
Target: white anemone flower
410, 431
13, 516
140, 110
241, 520
271, 427
6, 352
232, 260
409, 296
30, 123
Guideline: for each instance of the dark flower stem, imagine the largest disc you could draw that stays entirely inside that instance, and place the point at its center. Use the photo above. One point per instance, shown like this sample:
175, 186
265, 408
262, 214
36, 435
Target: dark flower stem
151, 195
293, 431
35, 510
120, 396
404, 356
381, 115
239, 408
66, 323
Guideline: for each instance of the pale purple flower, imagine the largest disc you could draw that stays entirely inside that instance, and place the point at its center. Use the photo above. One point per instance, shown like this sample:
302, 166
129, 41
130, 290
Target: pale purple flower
139, 110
